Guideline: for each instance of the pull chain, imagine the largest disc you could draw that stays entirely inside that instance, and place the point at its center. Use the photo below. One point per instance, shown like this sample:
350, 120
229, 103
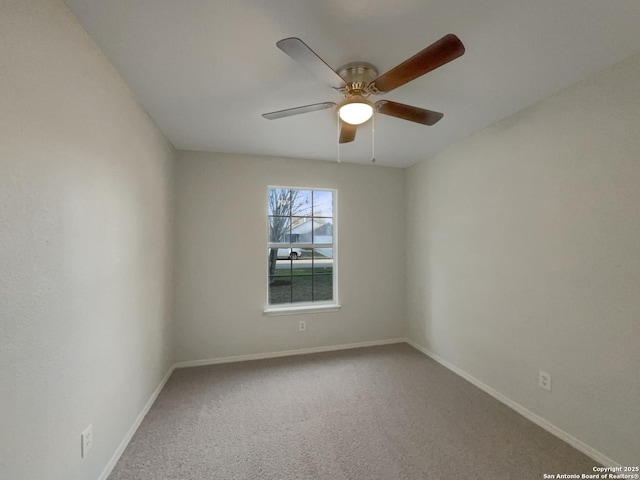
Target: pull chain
373, 138
338, 136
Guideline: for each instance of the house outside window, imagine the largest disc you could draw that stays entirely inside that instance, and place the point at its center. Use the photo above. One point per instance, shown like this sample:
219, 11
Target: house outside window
302, 247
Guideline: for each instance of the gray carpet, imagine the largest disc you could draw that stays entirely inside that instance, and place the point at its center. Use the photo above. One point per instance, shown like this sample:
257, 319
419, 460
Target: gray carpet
371, 413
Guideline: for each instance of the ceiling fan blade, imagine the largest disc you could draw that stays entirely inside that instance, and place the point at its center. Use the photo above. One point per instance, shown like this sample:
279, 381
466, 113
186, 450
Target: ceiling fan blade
435, 55
298, 110
301, 53
407, 112
347, 132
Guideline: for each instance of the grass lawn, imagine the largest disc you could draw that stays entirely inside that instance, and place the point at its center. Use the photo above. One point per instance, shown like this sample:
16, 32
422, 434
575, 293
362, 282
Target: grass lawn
300, 287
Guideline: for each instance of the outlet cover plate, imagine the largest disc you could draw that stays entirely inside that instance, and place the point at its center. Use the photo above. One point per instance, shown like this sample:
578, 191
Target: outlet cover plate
544, 381
86, 441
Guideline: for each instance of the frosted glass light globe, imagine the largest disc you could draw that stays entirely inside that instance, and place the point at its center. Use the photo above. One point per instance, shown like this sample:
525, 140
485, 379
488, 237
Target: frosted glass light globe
356, 111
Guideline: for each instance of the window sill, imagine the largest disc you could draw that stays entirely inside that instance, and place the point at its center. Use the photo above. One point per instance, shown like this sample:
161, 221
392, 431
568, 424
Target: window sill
301, 309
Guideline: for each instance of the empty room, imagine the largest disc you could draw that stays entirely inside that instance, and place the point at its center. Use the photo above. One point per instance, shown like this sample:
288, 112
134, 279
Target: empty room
333, 240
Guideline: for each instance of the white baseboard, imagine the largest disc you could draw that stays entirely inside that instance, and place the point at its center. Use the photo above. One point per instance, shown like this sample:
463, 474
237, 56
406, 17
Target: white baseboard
541, 422
561, 434
127, 438
286, 353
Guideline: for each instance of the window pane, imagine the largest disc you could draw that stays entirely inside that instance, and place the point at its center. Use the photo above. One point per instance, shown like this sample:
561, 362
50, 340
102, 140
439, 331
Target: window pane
280, 201
322, 261
323, 230
279, 279
279, 229
301, 228
283, 266
302, 288
280, 266
303, 265
322, 204
322, 287
302, 202
280, 292
280, 288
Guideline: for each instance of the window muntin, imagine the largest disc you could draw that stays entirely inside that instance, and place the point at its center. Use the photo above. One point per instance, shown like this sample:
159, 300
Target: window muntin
301, 246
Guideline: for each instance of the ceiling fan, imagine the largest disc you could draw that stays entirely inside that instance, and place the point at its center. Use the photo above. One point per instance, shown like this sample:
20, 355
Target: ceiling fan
356, 81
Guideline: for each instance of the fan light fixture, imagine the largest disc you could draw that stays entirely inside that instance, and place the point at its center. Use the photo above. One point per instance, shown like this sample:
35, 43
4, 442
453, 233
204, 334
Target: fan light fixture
357, 81
356, 110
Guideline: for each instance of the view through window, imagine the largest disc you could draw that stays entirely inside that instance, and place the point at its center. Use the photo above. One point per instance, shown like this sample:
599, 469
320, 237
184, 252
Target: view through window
301, 245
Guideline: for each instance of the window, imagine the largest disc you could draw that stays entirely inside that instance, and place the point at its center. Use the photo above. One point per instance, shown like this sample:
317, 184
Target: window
301, 247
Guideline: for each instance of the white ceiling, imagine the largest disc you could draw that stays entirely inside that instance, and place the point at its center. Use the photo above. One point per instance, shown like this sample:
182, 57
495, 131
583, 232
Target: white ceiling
205, 70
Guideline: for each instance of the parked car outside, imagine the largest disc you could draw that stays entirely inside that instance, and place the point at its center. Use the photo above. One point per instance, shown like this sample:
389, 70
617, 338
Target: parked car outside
289, 253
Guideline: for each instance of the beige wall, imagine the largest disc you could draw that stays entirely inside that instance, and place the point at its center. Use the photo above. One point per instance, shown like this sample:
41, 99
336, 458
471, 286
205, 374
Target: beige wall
524, 255
85, 221
221, 255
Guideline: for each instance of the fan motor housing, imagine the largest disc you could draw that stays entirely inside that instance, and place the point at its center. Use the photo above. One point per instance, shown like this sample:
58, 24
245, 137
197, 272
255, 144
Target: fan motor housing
357, 75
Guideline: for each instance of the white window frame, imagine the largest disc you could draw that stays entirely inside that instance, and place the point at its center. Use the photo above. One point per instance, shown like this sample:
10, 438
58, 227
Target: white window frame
305, 307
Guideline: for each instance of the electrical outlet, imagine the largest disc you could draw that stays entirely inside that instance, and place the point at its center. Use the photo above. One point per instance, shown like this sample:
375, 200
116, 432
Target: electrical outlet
544, 381
302, 326
86, 441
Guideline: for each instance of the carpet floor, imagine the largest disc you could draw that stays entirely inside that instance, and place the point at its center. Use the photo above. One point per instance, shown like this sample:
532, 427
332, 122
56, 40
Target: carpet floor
383, 413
